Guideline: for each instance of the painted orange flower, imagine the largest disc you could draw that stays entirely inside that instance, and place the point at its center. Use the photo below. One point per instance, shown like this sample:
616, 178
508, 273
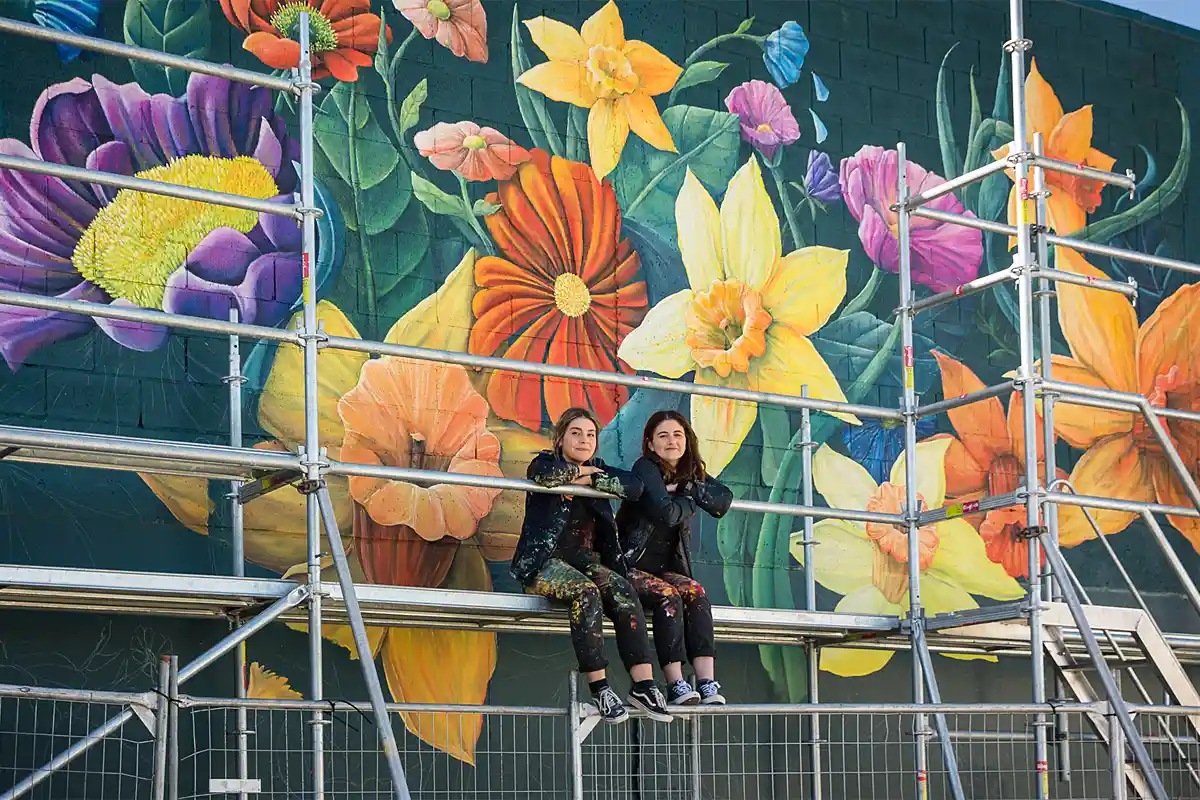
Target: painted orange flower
475, 153
1067, 137
565, 290
988, 458
343, 33
1159, 360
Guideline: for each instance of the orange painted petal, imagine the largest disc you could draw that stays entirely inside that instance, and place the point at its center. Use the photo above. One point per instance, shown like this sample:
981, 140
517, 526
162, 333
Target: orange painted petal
1064, 212
1168, 489
518, 396
1100, 160
1071, 139
1080, 426
1041, 103
1110, 468
341, 67
1101, 327
1016, 428
980, 426
656, 73
964, 475
273, 51
1170, 338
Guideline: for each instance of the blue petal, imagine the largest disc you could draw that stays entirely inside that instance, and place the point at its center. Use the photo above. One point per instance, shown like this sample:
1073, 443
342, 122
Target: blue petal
867, 444
71, 16
820, 87
822, 131
783, 53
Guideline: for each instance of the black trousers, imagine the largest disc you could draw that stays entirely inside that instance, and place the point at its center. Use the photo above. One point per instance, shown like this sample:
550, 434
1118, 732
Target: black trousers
683, 623
592, 591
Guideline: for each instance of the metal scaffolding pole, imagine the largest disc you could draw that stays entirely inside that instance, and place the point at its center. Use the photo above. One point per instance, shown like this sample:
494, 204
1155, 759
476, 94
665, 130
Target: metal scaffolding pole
812, 651
237, 539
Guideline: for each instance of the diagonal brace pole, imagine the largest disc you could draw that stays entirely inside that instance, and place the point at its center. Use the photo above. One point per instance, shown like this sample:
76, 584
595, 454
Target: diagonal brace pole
387, 737
939, 719
290, 600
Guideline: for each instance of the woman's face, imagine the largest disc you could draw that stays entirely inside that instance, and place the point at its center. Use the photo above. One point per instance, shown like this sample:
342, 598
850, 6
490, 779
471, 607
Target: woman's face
668, 441
579, 443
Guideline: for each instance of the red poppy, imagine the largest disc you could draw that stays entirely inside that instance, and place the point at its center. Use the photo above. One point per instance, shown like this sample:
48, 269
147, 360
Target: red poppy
565, 290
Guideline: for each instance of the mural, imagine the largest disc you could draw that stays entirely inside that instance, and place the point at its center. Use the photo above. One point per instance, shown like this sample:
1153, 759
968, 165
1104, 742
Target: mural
646, 215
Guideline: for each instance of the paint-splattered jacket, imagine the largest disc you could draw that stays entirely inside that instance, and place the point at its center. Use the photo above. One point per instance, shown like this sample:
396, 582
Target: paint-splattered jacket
547, 515
656, 529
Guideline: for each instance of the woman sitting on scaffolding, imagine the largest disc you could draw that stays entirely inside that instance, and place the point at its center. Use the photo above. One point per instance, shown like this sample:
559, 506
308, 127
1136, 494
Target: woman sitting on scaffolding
656, 532
569, 551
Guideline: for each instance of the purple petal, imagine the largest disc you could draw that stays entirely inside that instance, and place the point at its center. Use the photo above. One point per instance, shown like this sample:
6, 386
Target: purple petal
127, 109
24, 268
269, 152
68, 123
877, 239
222, 257
38, 209
109, 157
24, 330
283, 232
134, 335
270, 288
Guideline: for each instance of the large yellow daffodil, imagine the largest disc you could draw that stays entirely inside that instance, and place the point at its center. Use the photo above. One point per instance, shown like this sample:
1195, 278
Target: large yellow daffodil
868, 564
746, 318
596, 68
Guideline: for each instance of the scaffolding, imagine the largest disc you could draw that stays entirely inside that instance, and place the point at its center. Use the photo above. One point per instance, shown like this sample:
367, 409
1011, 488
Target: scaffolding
1055, 623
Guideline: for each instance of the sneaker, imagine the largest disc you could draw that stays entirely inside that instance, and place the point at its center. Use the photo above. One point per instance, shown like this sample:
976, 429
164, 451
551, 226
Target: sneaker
710, 693
681, 693
651, 701
612, 710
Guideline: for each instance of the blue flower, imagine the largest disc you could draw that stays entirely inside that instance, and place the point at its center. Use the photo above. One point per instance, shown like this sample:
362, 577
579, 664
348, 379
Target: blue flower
821, 180
72, 16
877, 444
784, 52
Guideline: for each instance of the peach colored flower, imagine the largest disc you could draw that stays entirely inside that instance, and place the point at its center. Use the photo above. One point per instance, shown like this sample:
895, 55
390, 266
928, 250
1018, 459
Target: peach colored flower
475, 153
459, 25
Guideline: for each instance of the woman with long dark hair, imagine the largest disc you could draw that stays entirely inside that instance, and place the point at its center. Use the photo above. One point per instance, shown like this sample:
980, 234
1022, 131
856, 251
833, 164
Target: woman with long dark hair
569, 551
656, 531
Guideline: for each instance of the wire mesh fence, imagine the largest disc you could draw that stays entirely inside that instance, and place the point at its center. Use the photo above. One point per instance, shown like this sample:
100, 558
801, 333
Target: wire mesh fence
523, 752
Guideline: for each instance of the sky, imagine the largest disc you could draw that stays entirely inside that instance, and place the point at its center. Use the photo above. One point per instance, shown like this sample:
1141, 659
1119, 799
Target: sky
1182, 12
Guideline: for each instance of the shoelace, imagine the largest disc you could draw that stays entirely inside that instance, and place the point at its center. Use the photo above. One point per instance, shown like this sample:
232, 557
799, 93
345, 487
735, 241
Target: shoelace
710, 688
657, 696
607, 700
681, 687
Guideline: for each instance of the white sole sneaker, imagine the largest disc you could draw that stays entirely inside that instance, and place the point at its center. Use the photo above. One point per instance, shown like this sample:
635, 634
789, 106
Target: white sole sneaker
689, 699
650, 712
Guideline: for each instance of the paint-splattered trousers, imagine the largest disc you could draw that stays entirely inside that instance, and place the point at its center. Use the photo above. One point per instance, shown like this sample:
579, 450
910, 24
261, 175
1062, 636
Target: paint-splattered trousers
591, 592
683, 623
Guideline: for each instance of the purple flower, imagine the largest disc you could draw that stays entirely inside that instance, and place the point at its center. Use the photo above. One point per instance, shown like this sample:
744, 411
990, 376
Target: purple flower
821, 182
943, 256
766, 119
87, 242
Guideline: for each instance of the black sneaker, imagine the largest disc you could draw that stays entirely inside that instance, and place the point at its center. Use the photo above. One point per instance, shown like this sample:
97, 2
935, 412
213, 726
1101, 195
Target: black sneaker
612, 710
681, 693
651, 701
710, 693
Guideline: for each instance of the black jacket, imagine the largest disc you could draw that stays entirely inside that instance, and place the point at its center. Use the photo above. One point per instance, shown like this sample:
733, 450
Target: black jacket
547, 515
656, 528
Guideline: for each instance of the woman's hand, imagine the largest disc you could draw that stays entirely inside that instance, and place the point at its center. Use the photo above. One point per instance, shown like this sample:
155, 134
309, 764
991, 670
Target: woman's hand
671, 487
585, 476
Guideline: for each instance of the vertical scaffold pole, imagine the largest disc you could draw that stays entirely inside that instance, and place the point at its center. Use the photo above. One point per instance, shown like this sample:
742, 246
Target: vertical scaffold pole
312, 446
238, 541
911, 508
1023, 260
812, 653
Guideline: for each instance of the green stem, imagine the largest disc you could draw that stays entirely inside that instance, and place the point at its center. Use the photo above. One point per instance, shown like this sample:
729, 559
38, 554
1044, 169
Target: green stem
788, 211
364, 248
683, 159
390, 82
711, 44
485, 241
864, 297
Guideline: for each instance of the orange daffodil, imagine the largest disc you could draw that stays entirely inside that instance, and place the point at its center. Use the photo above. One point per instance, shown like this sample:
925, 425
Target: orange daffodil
1067, 137
745, 320
598, 69
868, 563
1157, 360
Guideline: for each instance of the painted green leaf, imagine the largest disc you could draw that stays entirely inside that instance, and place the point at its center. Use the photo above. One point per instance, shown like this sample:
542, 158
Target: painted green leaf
181, 27
436, 200
698, 73
776, 432
737, 531
976, 110
745, 26
483, 208
410, 108
532, 105
647, 180
951, 166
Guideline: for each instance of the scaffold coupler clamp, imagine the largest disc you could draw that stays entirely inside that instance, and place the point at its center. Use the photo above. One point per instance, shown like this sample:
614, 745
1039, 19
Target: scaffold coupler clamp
1031, 532
1013, 45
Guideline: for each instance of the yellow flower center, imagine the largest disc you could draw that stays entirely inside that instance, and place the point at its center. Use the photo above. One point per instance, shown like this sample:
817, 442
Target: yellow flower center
136, 241
610, 74
571, 295
474, 142
322, 38
764, 128
889, 563
439, 9
727, 327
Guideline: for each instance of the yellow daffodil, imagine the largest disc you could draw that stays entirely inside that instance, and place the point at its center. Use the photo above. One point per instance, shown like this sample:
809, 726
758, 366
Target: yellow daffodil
596, 68
746, 318
868, 563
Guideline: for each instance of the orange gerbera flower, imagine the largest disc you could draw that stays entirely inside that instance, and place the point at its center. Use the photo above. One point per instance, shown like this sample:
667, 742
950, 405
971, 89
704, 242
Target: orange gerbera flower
1067, 137
343, 34
1159, 361
565, 290
988, 458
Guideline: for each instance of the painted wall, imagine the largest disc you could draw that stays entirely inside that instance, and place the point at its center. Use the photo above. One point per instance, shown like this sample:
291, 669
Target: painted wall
698, 190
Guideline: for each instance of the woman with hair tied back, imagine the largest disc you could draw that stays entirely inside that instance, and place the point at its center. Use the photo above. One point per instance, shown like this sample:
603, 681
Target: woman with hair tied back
569, 551
656, 531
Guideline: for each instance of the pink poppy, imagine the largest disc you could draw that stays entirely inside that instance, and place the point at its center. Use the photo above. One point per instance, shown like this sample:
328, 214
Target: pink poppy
459, 25
475, 153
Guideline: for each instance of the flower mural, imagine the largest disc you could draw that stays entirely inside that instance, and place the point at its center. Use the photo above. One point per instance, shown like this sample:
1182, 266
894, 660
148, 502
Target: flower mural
460, 26
765, 117
867, 563
784, 51
86, 242
746, 318
476, 153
